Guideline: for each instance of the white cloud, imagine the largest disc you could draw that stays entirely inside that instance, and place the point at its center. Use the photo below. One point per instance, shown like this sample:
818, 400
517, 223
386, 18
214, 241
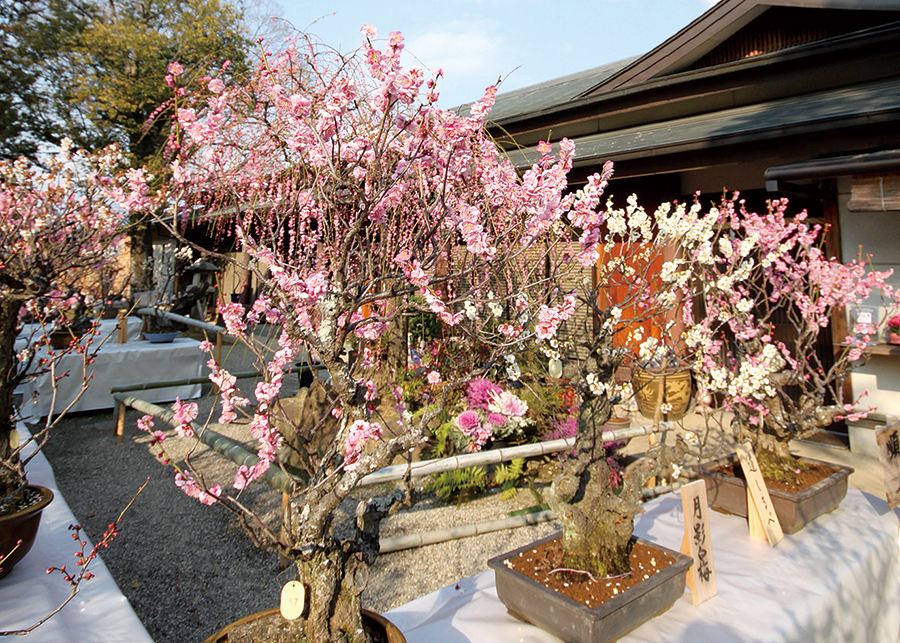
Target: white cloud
461, 50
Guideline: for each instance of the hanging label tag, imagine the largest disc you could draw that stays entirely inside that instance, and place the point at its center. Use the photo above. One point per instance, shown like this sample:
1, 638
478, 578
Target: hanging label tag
760, 511
293, 600
555, 368
701, 577
888, 440
14, 439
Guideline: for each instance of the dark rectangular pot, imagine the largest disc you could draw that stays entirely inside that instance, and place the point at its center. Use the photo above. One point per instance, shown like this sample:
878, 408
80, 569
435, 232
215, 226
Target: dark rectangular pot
533, 602
728, 494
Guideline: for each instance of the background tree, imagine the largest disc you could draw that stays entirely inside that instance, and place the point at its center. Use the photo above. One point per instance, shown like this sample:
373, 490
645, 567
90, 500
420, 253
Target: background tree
95, 71
29, 39
113, 71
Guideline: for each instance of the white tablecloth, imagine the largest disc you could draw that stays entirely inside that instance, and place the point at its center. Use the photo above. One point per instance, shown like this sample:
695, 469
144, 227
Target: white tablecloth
108, 328
837, 580
100, 613
117, 365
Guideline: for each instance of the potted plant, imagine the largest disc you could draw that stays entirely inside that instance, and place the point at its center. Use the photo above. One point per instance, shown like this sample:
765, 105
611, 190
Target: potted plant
57, 223
381, 218
663, 386
769, 294
893, 329
159, 329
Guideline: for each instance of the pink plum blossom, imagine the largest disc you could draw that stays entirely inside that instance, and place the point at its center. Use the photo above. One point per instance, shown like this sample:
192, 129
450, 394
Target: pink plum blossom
184, 415
358, 434
185, 482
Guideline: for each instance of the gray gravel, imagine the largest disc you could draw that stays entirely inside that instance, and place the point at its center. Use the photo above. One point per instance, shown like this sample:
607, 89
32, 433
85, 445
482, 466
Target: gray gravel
189, 570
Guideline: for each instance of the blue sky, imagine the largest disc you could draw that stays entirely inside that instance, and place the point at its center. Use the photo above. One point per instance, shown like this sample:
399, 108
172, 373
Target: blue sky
478, 41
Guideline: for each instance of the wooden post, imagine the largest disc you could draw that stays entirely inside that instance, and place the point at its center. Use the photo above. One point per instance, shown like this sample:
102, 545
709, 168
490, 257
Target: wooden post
219, 349
120, 421
657, 414
123, 327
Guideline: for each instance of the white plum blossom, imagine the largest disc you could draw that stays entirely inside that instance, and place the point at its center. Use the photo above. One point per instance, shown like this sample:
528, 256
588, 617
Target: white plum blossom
648, 349
748, 244
668, 272
594, 384
725, 247
513, 371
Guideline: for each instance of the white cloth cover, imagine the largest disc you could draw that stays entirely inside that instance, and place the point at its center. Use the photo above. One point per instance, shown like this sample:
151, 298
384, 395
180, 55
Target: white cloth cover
99, 613
108, 328
838, 580
117, 365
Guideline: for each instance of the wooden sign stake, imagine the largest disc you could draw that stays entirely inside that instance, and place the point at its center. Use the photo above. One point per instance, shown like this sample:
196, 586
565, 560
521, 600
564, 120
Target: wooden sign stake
123, 327
760, 511
701, 577
888, 440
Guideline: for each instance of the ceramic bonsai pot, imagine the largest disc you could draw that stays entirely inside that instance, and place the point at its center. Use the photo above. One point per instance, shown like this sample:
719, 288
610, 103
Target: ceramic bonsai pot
21, 525
678, 392
62, 337
371, 620
162, 338
533, 602
728, 494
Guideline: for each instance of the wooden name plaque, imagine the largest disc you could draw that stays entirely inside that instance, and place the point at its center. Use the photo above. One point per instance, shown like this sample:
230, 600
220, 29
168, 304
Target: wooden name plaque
701, 577
760, 511
888, 440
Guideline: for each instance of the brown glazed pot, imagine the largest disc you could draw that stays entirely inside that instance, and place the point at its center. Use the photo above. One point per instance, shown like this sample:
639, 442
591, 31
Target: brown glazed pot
728, 494
678, 391
21, 525
372, 621
533, 602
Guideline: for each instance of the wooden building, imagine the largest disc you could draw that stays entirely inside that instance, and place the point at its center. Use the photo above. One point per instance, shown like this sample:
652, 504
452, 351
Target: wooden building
795, 98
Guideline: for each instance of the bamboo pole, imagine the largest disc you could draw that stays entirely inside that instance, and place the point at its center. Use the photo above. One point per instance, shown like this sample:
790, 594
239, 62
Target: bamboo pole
277, 479
181, 319
147, 386
400, 471
398, 543
410, 541
494, 456
232, 450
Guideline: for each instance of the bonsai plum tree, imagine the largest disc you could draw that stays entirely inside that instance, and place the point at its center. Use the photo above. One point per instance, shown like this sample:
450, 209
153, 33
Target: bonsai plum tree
360, 203
57, 224
768, 292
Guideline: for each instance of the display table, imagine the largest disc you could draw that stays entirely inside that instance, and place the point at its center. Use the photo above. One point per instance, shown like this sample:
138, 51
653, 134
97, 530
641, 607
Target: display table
117, 365
837, 580
100, 613
108, 328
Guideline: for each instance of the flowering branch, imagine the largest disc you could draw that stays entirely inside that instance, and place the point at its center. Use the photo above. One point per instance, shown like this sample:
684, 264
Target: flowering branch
74, 579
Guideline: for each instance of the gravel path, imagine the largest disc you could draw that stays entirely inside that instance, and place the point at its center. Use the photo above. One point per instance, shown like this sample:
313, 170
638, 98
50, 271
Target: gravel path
189, 570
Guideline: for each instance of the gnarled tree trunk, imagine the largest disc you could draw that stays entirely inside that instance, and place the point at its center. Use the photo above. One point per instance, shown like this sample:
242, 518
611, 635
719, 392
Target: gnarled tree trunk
598, 523
9, 313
